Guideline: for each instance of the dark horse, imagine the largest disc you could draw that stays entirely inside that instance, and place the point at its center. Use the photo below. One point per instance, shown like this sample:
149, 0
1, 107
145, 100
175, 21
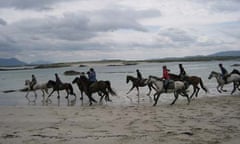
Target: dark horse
65, 86
103, 87
136, 83
191, 80
80, 86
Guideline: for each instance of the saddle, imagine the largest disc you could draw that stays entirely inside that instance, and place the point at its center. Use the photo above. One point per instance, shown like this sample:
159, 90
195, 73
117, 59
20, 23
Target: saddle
168, 84
142, 81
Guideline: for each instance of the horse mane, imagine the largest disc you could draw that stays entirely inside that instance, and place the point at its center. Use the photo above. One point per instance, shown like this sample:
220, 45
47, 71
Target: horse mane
155, 77
51, 81
235, 71
83, 77
175, 75
130, 76
215, 72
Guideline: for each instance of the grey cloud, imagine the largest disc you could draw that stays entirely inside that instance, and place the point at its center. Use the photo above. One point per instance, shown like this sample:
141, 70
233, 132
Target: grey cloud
70, 27
226, 6
178, 35
84, 25
123, 18
29, 4
221, 5
2, 22
230, 29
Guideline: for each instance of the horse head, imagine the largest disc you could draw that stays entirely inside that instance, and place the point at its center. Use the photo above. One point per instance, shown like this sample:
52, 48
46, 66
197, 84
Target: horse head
51, 83
75, 80
235, 71
27, 82
128, 78
213, 74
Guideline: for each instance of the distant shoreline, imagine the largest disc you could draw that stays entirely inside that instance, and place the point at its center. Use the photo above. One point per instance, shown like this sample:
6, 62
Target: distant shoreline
121, 62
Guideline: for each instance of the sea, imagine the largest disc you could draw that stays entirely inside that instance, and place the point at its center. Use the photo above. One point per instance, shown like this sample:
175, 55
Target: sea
15, 79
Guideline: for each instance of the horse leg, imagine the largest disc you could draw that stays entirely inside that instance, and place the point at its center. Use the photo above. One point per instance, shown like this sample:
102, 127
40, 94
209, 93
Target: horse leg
67, 94
35, 94
43, 96
81, 98
46, 90
176, 97
196, 94
150, 90
26, 96
131, 89
107, 98
49, 95
186, 95
156, 100
101, 98
58, 94
91, 99
218, 89
234, 87
194, 90
223, 89
138, 94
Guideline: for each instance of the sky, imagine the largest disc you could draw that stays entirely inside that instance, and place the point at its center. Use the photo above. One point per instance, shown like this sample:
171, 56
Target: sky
86, 30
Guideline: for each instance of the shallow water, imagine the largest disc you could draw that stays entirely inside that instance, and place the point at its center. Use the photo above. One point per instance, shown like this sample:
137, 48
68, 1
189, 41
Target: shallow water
116, 74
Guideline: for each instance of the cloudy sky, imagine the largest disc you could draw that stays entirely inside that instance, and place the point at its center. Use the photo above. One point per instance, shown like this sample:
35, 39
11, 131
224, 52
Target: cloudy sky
80, 30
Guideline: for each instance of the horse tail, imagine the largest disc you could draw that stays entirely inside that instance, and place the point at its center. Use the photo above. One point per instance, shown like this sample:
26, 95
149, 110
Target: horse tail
111, 91
71, 90
202, 86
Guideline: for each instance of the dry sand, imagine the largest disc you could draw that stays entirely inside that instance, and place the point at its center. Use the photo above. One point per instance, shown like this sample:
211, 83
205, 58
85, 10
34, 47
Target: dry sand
207, 120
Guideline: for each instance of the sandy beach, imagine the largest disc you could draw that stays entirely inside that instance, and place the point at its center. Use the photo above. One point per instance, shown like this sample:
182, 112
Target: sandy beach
207, 120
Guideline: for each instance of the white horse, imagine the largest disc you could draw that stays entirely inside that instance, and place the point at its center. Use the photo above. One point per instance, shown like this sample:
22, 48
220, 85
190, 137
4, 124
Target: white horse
232, 78
176, 87
43, 87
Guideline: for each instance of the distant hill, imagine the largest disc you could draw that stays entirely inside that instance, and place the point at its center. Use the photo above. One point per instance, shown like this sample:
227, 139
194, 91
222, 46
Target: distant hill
11, 62
226, 53
40, 62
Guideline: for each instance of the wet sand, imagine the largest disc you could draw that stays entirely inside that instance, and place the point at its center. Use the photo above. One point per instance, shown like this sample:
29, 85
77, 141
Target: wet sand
207, 120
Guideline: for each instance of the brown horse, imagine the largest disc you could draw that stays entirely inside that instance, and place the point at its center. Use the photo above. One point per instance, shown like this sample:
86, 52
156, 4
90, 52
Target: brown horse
191, 80
136, 83
103, 88
65, 86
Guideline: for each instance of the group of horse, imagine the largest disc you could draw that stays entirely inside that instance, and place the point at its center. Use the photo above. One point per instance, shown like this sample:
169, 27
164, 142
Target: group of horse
177, 86
103, 88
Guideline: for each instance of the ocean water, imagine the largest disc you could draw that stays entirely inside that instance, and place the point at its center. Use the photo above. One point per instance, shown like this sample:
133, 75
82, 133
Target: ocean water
11, 80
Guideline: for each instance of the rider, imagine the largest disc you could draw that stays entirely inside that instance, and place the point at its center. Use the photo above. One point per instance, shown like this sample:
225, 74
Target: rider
58, 81
92, 75
33, 82
182, 73
166, 77
224, 72
139, 75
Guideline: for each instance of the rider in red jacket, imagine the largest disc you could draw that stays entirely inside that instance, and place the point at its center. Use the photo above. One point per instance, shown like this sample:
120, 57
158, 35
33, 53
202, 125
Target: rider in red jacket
165, 77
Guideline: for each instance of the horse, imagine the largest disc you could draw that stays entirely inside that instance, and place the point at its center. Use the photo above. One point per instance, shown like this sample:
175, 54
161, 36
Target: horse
191, 80
103, 88
43, 87
177, 87
231, 78
80, 86
64, 86
136, 83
